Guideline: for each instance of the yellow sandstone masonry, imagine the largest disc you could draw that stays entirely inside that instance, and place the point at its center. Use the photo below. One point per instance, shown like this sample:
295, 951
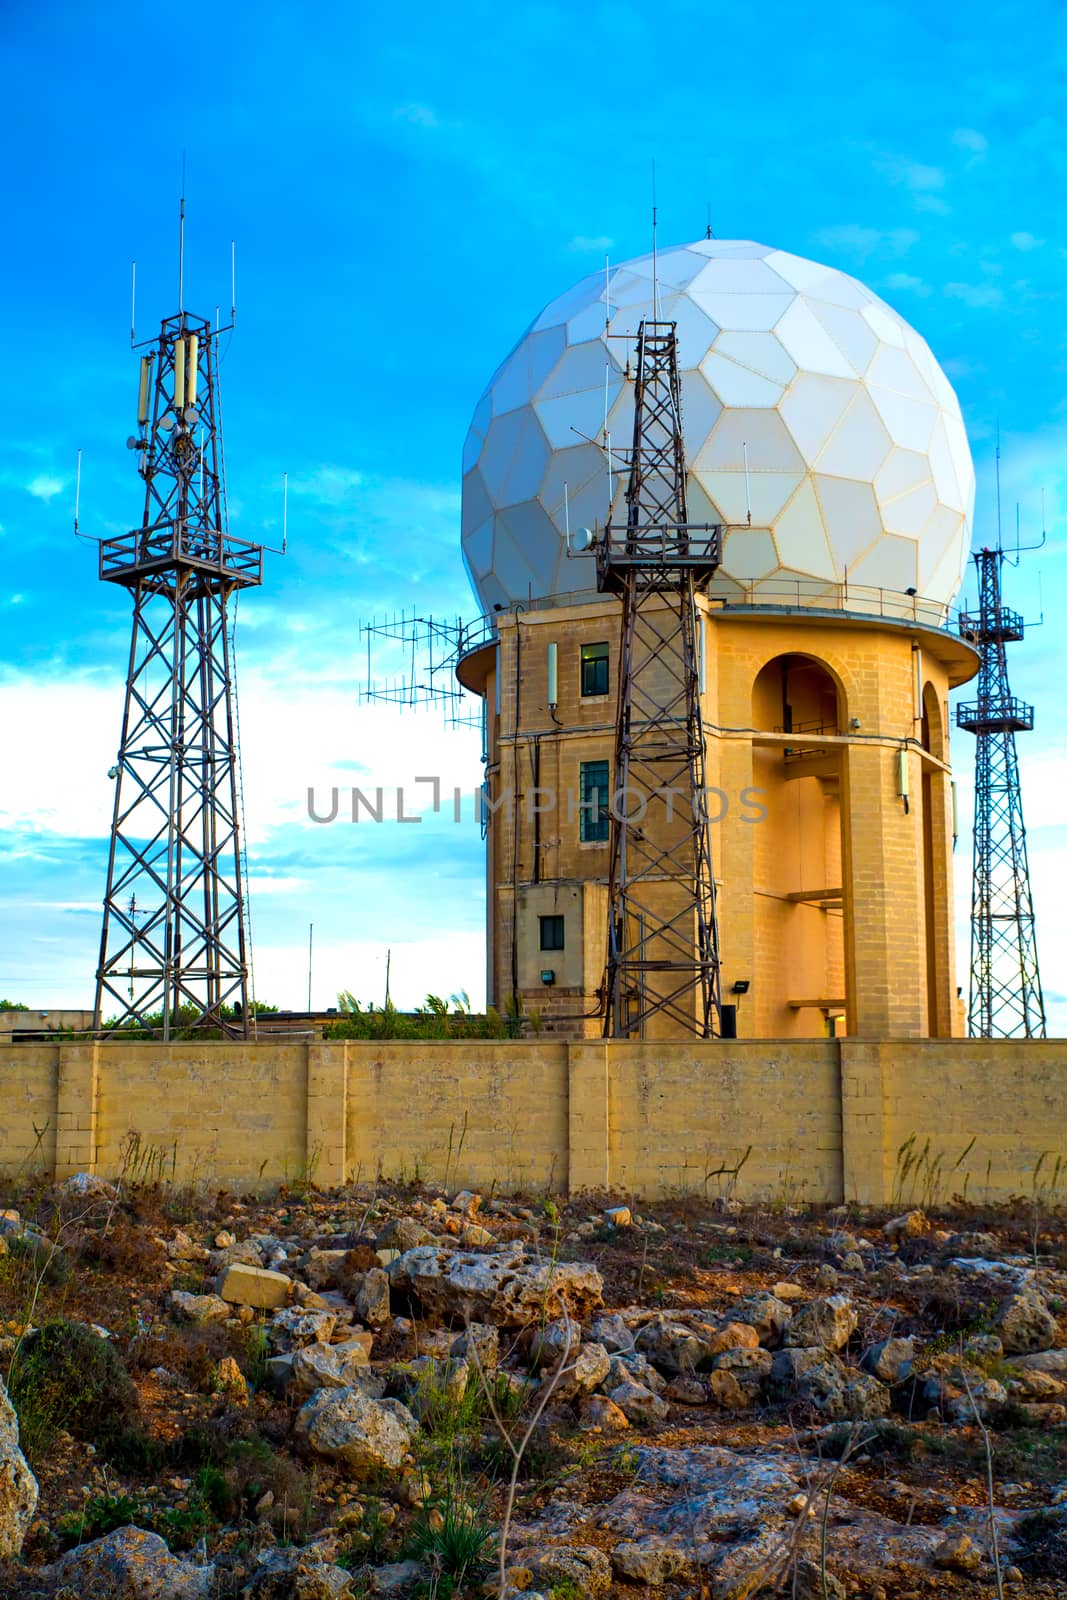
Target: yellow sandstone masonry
872, 1120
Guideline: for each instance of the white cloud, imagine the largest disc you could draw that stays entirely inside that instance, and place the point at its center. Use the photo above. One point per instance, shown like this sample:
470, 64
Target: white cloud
976, 295
418, 115
860, 243
907, 283
969, 139
1026, 241
45, 487
916, 176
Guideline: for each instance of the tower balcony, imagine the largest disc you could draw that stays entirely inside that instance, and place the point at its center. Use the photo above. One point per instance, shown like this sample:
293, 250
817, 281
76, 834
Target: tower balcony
168, 548
1003, 715
1003, 626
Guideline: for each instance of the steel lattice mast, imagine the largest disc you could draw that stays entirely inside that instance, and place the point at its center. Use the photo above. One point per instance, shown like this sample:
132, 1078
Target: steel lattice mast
663, 957
1005, 998
174, 944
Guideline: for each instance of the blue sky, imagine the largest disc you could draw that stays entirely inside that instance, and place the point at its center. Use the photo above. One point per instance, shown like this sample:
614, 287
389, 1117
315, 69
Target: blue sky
407, 189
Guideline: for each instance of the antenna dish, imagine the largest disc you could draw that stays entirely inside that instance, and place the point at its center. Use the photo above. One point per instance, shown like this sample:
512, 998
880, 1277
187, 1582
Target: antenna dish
582, 540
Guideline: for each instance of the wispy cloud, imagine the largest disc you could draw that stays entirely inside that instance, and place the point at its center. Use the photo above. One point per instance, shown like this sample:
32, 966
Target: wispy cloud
1026, 241
907, 283
922, 181
860, 243
976, 144
418, 115
583, 244
44, 486
976, 295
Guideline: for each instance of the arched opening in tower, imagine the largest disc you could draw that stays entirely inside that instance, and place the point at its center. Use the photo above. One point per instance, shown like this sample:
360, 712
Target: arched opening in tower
799, 713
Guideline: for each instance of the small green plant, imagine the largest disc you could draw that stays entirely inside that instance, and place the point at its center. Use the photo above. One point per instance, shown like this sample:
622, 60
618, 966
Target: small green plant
921, 1174
12, 1005
64, 1376
717, 1253
447, 1410
566, 1589
453, 1538
256, 1354
101, 1515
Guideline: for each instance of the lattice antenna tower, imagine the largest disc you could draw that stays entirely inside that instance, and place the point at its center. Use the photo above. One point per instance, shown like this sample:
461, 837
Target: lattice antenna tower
1006, 1001
182, 958
663, 947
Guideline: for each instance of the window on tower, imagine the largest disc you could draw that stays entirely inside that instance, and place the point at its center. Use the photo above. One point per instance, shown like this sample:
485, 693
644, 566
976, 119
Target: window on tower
595, 799
595, 668
551, 933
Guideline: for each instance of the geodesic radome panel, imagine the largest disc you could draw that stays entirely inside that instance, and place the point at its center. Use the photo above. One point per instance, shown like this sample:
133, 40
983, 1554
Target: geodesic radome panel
807, 404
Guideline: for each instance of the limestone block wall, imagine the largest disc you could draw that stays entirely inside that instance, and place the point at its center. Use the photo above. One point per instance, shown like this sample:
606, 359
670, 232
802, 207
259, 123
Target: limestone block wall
875, 1121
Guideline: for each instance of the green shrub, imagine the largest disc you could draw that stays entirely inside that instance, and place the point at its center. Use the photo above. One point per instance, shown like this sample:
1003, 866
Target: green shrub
31, 1256
101, 1515
453, 1538
64, 1376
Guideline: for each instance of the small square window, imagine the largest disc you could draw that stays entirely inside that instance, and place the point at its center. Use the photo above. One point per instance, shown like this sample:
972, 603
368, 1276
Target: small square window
551, 933
595, 817
595, 668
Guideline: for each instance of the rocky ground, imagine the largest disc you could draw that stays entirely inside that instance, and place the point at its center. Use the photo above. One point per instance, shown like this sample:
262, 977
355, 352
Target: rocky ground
385, 1391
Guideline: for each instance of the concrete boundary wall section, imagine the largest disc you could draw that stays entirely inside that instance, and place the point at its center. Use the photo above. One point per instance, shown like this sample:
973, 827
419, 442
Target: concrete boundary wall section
872, 1121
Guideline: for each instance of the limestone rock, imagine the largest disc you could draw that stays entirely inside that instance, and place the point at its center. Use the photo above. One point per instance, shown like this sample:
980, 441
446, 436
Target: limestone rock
908, 1226
790, 1365
618, 1217
769, 1316
199, 1308
671, 1346
828, 1322
957, 1553
232, 1380
372, 1298
687, 1391
18, 1486
634, 1368
889, 1359
597, 1411
87, 1186
584, 1566
504, 1286
403, 1233
396, 1578
360, 1435
296, 1575
637, 1403
1053, 1362
842, 1395
788, 1291
1025, 1323
612, 1332
245, 1285
654, 1564
329, 1366
584, 1370
484, 1338
326, 1269
475, 1237
129, 1564
738, 1378
294, 1327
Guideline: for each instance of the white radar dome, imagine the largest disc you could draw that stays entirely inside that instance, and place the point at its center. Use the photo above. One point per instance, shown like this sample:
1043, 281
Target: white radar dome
807, 403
